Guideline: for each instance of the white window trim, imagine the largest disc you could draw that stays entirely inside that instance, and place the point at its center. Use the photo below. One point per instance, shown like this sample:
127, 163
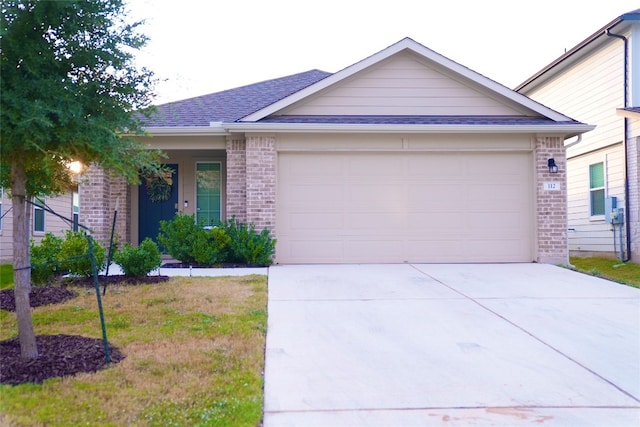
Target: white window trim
44, 217
599, 217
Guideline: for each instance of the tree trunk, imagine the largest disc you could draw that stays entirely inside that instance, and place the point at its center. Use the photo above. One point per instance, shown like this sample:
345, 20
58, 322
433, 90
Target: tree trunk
22, 262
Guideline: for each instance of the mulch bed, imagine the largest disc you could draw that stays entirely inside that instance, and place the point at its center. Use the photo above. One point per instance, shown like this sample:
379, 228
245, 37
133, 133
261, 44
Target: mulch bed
59, 356
39, 296
45, 295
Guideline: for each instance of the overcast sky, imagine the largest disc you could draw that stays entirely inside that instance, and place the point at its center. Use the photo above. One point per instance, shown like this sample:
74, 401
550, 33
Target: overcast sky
204, 46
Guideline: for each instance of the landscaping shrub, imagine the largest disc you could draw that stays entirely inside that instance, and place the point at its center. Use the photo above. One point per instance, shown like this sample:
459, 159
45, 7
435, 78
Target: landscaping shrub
179, 235
229, 242
249, 246
45, 259
211, 247
74, 254
139, 261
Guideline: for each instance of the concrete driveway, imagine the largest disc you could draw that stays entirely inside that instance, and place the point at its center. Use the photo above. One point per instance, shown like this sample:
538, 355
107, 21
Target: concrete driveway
454, 345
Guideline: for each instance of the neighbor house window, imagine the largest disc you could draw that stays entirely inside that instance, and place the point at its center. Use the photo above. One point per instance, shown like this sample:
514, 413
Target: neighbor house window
208, 185
76, 210
38, 215
596, 188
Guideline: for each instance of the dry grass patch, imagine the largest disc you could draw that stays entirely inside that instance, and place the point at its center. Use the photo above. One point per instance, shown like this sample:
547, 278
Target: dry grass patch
194, 352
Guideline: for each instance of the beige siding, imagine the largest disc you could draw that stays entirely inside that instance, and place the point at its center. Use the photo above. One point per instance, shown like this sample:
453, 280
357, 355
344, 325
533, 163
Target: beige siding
63, 205
590, 92
587, 233
402, 85
6, 229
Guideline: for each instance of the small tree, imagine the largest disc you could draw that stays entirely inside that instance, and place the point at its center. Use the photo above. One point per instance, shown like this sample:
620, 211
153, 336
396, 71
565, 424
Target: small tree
69, 90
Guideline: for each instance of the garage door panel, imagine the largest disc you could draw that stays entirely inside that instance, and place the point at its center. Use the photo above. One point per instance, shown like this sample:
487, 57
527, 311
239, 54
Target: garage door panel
307, 221
299, 251
397, 207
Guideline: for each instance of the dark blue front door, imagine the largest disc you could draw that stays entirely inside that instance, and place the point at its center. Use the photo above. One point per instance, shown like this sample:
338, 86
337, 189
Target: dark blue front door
154, 205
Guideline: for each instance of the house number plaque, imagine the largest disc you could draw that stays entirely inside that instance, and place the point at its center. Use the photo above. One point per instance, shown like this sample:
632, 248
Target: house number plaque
550, 186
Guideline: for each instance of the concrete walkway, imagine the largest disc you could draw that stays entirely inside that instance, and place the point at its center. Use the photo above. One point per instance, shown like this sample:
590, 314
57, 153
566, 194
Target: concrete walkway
454, 345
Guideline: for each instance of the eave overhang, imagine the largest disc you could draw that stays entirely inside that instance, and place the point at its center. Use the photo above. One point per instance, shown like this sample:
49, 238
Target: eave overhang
213, 130
567, 130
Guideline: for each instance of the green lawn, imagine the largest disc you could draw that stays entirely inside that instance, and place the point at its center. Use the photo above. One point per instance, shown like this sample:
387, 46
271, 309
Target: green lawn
627, 273
194, 356
6, 276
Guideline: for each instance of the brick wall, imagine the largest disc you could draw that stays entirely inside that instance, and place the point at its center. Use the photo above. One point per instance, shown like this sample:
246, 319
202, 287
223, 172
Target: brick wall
120, 195
551, 210
94, 192
261, 182
99, 194
237, 179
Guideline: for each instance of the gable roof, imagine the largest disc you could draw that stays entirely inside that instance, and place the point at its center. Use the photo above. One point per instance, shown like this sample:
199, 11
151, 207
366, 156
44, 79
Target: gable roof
574, 54
407, 44
264, 106
230, 105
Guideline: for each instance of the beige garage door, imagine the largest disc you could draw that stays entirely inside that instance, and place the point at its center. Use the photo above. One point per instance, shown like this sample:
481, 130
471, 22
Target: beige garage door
404, 207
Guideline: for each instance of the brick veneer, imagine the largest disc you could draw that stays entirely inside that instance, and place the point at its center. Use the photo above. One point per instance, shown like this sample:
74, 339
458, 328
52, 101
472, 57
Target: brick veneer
99, 194
261, 182
551, 209
251, 181
237, 179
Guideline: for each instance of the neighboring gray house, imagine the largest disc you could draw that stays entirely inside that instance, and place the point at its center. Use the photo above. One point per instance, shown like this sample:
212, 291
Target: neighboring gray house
598, 82
405, 156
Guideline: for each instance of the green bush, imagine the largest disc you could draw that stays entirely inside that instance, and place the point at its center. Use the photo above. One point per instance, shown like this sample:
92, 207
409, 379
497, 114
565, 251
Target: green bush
249, 246
211, 247
45, 259
74, 254
139, 261
179, 235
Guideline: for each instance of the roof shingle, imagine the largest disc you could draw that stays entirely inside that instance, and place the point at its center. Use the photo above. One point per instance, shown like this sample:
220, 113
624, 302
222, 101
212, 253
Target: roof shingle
230, 105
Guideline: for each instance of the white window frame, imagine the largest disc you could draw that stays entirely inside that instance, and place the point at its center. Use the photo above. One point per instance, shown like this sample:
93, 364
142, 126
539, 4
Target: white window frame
603, 188
38, 205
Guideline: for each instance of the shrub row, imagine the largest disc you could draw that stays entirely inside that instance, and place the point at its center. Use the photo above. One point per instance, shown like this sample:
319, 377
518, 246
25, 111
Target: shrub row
55, 256
229, 241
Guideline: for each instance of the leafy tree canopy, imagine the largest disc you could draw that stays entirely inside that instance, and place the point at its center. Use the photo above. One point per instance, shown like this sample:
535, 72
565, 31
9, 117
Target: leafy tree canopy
68, 91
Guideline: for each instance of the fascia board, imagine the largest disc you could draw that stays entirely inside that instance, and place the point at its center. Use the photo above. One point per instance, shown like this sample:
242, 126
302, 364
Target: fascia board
186, 130
419, 49
559, 129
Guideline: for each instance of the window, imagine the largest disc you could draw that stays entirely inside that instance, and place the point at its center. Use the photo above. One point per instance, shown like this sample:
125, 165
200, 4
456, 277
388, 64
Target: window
596, 188
38, 216
76, 210
208, 184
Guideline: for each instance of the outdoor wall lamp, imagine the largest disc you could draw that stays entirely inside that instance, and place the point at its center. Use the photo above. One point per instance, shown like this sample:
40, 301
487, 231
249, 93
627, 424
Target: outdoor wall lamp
553, 168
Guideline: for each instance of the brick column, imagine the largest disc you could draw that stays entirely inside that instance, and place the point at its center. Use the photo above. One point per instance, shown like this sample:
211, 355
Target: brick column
261, 182
551, 213
237, 178
119, 194
94, 192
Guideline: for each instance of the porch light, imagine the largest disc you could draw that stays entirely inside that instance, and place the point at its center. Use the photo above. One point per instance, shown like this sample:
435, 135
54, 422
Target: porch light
553, 168
75, 167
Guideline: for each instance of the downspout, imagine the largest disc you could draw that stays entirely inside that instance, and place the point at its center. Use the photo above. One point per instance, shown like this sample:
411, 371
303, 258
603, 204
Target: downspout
624, 139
